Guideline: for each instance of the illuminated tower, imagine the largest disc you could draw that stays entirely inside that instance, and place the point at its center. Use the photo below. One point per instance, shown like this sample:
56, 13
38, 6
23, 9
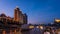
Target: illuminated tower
17, 14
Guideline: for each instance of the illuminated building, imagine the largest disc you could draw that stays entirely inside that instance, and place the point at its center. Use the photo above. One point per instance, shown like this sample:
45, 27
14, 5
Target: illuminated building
17, 14
9, 24
24, 18
31, 26
57, 21
19, 17
5, 19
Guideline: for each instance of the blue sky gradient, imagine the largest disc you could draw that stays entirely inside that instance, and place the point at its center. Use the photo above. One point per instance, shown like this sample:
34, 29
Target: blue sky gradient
38, 11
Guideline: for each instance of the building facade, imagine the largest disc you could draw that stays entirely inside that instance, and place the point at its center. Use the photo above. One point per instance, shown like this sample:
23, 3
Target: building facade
19, 17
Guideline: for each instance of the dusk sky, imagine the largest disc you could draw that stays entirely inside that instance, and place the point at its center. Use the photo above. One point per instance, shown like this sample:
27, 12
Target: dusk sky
38, 11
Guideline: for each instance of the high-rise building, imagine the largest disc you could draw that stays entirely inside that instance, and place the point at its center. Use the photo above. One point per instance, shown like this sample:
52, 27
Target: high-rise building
16, 14
19, 16
25, 18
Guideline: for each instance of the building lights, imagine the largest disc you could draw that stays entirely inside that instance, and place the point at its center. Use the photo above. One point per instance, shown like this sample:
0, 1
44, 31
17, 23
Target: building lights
18, 17
41, 27
31, 26
57, 20
37, 27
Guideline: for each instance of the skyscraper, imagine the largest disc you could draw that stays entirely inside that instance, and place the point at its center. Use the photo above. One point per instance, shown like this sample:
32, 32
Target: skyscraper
16, 14
19, 16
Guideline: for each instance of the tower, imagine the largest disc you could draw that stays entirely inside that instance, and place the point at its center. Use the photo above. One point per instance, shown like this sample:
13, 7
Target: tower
17, 13
19, 16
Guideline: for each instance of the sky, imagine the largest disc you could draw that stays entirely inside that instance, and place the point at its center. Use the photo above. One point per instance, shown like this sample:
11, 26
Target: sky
38, 11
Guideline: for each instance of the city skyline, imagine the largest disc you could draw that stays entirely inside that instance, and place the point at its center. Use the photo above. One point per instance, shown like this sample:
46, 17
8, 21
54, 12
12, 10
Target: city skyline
38, 11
